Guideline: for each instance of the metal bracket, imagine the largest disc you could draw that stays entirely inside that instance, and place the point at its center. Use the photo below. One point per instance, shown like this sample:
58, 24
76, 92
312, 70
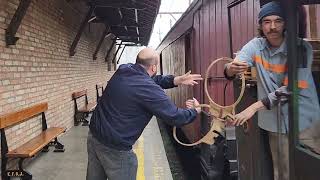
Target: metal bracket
121, 53
72, 51
44, 121
46, 148
110, 48
104, 34
15, 22
115, 55
106, 4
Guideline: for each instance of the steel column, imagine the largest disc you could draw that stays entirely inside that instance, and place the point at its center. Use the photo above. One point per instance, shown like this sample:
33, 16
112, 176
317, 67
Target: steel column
291, 26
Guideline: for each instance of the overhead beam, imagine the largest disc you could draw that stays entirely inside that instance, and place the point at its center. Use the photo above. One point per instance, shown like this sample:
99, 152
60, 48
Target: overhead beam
104, 34
110, 48
132, 44
106, 4
131, 26
127, 24
84, 22
129, 37
170, 12
137, 29
15, 22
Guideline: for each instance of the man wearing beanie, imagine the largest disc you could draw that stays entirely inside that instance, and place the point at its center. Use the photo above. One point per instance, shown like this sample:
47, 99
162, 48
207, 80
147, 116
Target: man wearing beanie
268, 53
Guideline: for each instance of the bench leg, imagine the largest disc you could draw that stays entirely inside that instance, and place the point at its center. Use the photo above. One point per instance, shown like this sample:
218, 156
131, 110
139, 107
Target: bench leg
81, 117
76, 121
85, 122
26, 175
46, 149
58, 146
4, 162
20, 173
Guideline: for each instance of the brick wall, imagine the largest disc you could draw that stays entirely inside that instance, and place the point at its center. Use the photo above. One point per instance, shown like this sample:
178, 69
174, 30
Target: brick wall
38, 68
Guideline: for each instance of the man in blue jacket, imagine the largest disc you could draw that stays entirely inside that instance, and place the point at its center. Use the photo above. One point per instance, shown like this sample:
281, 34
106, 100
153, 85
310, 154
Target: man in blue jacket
134, 94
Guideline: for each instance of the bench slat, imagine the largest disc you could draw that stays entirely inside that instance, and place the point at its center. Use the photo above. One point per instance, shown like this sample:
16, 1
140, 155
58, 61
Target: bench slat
11, 119
78, 94
33, 146
88, 108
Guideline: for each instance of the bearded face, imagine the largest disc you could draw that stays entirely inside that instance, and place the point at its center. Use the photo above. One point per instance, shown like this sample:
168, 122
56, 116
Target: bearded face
272, 27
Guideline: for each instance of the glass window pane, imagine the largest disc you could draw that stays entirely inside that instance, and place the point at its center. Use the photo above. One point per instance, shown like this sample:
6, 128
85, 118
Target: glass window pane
308, 83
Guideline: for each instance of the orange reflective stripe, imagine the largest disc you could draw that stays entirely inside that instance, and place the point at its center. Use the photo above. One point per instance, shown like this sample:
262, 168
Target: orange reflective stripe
302, 84
277, 68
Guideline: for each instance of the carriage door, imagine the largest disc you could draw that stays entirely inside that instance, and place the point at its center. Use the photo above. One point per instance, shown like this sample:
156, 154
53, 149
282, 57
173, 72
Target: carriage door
252, 142
304, 113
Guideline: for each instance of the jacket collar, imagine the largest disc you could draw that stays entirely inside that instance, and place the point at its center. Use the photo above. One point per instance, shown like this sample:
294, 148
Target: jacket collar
139, 68
282, 49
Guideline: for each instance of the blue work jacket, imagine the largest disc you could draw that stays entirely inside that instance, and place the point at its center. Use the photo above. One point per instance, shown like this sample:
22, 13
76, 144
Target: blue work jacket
130, 100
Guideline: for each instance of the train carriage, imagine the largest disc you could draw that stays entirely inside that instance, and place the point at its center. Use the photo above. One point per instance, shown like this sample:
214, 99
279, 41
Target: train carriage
210, 29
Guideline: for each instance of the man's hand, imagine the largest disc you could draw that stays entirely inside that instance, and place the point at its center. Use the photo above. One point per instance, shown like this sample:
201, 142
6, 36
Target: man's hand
246, 114
187, 79
236, 67
193, 103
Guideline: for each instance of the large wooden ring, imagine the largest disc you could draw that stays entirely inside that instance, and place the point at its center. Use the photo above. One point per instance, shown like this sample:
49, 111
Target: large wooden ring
210, 133
206, 84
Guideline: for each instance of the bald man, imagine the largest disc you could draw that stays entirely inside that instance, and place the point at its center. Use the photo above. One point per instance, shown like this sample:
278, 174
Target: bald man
134, 94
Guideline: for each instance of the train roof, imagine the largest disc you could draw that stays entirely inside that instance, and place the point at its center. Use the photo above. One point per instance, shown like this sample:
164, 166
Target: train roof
182, 26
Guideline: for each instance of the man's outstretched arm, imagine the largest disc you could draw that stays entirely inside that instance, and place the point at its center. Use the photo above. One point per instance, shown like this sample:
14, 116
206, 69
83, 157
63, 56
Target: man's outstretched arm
170, 81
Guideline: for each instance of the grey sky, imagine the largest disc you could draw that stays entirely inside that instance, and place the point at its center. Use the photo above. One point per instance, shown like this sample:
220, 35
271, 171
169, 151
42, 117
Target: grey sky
165, 21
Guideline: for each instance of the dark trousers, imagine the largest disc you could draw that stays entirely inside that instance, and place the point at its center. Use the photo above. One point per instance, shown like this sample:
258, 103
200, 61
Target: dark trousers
107, 163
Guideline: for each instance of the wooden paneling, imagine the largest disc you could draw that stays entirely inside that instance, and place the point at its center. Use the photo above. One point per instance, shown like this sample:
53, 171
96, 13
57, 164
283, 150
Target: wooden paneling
22, 115
174, 62
209, 41
318, 20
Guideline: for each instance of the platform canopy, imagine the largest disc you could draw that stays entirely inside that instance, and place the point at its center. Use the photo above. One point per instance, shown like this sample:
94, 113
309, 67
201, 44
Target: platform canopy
129, 20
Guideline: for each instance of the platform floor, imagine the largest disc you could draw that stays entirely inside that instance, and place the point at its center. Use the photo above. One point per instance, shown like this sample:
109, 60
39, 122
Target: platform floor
72, 164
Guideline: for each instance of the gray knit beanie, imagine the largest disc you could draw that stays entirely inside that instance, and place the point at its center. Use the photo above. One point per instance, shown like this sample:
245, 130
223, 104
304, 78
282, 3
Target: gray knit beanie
271, 8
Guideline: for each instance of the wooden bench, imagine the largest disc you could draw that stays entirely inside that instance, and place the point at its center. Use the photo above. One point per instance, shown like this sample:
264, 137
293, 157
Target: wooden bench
46, 138
80, 114
98, 87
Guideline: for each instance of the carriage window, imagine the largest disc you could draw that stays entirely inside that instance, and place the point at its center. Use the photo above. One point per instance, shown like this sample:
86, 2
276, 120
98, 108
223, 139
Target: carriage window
309, 111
